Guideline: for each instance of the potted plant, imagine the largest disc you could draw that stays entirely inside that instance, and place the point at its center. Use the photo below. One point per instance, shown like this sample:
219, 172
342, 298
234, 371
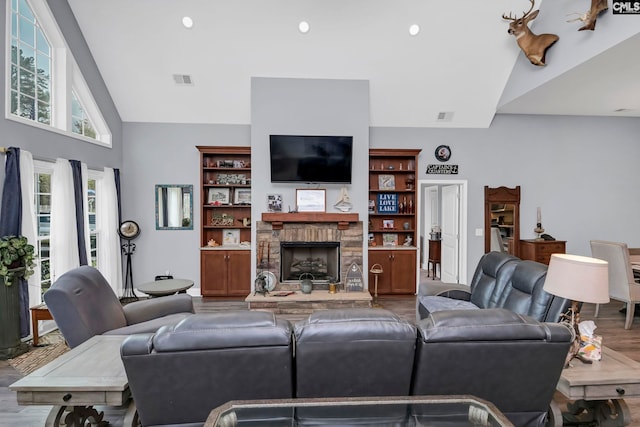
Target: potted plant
16, 258
16, 261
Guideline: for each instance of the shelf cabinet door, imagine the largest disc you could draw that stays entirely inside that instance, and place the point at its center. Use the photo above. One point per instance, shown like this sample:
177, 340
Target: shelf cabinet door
398, 271
213, 277
404, 272
239, 273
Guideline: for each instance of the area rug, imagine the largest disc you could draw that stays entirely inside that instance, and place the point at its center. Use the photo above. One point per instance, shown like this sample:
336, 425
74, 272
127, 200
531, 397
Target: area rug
52, 346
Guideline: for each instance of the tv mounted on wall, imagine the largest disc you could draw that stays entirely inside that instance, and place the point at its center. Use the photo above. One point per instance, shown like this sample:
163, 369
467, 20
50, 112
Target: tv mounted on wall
307, 158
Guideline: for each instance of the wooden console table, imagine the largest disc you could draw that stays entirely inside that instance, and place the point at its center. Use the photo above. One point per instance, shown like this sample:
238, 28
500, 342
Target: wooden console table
597, 391
541, 250
87, 375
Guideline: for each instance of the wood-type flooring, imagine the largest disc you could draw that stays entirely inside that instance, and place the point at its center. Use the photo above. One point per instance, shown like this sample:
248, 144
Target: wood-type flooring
610, 324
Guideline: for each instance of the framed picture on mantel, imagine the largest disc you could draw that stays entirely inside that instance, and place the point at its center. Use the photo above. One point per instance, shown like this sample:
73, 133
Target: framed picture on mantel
311, 200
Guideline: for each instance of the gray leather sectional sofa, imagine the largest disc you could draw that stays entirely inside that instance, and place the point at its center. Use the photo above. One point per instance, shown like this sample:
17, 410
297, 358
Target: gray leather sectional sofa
180, 373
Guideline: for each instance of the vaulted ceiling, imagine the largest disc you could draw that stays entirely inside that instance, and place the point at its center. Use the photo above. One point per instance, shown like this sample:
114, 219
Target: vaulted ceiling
462, 62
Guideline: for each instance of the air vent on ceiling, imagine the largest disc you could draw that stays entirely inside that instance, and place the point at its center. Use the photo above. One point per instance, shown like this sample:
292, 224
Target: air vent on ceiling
182, 79
445, 116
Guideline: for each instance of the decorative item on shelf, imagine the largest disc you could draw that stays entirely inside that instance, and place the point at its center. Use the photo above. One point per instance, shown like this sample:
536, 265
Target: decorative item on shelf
408, 241
538, 230
344, 201
306, 284
16, 259
410, 181
388, 224
533, 45
332, 288
387, 203
274, 202
386, 182
242, 196
405, 226
230, 237
390, 239
219, 196
372, 206
376, 270
579, 279
212, 243
246, 221
222, 220
371, 240
311, 200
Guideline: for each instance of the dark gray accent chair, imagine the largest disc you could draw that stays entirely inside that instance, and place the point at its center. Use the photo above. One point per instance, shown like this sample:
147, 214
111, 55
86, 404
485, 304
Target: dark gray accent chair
500, 281
354, 352
180, 373
511, 360
84, 305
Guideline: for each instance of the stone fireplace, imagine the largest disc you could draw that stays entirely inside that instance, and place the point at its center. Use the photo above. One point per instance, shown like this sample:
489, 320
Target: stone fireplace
325, 245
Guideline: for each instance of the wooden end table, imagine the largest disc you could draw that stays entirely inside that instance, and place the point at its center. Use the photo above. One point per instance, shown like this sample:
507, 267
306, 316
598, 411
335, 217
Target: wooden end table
597, 391
38, 312
89, 375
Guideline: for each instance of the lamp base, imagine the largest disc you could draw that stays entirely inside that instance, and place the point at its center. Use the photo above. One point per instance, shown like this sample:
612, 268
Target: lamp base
571, 319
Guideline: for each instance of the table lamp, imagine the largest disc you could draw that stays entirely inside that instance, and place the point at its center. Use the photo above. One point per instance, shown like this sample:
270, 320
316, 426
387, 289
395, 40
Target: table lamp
579, 279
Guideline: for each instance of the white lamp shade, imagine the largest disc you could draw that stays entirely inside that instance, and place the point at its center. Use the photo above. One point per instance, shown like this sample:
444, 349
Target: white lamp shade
578, 278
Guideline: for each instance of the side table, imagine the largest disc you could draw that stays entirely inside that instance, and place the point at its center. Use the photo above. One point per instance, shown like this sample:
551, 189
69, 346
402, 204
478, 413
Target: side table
161, 288
38, 312
434, 255
597, 390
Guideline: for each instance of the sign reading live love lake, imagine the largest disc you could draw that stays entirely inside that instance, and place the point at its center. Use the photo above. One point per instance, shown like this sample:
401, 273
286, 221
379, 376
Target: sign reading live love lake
442, 169
388, 203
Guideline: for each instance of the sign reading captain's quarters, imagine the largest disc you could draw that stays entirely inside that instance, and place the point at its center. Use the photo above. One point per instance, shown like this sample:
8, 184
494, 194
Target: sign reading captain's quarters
388, 203
442, 169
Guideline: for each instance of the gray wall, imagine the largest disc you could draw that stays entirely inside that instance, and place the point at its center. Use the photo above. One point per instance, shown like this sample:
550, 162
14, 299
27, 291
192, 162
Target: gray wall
582, 172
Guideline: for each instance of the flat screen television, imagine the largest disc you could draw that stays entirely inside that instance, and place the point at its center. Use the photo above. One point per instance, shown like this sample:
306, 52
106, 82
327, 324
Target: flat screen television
305, 158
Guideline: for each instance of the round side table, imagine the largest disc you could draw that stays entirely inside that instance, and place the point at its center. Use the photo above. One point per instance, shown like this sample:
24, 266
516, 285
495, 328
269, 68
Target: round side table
161, 288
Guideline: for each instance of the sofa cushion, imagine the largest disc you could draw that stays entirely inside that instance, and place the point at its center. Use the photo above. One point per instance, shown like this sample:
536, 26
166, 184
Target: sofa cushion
354, 352
436, 303
524, 293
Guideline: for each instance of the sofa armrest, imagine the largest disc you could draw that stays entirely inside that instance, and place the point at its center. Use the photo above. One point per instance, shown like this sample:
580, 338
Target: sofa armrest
440, 288
141, 311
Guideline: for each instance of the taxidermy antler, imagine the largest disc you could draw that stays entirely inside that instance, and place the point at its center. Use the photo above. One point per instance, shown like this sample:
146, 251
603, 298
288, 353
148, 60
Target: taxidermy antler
597, 7
534, 46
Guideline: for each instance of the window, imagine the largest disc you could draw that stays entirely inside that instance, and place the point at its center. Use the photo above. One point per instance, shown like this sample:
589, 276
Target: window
43, 220
94, 234
42, 193
45, 84
81, 123
30, 66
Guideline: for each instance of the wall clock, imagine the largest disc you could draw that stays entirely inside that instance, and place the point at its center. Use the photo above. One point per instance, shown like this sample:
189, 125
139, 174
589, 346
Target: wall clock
129, 230
443, 153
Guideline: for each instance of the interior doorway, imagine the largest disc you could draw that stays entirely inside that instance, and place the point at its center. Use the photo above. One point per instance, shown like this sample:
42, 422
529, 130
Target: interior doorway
443, 204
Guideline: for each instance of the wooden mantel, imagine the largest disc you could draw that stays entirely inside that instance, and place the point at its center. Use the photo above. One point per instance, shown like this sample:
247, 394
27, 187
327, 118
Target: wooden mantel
277, 219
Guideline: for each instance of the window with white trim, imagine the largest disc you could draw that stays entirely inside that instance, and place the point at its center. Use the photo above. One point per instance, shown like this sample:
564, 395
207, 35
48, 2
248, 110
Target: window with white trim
45, 84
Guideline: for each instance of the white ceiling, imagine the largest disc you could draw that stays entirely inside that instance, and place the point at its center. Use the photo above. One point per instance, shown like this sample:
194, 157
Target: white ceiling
460, 62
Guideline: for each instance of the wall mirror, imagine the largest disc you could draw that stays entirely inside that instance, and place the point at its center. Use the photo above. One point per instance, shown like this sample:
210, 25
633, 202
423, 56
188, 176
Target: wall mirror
502, 220
174, 207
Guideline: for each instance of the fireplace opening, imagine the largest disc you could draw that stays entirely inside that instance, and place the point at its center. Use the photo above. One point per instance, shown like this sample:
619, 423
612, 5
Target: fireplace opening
320, 259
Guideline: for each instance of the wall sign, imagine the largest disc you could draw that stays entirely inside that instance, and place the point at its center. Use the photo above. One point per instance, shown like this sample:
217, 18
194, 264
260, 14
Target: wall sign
353, 282
443, 153
442, 169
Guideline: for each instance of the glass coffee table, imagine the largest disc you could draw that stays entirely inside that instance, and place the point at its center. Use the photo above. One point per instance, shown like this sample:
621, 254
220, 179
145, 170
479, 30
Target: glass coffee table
371, 411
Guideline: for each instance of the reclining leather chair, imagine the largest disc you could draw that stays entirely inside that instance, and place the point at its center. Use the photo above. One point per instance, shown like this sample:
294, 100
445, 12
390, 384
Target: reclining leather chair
502, 281
510, 360
354, 352
83, 305
180, 373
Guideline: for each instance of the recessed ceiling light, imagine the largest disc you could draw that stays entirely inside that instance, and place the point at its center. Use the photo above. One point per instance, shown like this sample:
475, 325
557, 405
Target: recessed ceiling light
304, 27
187, 22
414, 29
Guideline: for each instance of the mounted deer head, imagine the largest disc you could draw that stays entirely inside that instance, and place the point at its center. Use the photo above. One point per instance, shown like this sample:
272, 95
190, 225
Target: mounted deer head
534, 46
597, 7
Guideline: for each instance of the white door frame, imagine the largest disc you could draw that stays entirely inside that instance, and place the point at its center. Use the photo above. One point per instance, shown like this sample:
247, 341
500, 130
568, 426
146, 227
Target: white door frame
463, 219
